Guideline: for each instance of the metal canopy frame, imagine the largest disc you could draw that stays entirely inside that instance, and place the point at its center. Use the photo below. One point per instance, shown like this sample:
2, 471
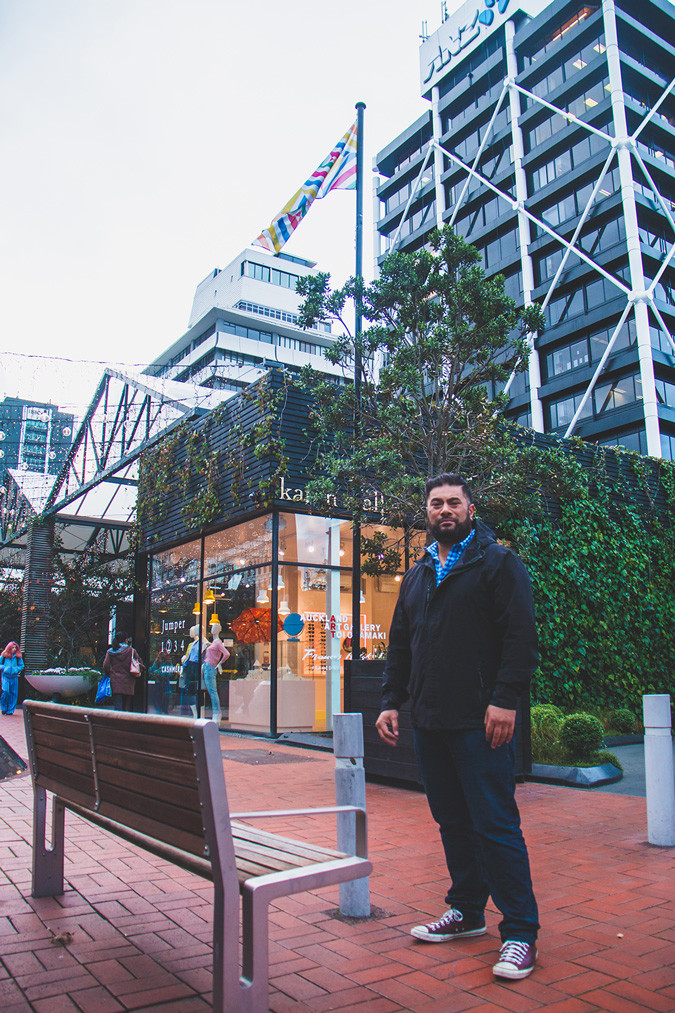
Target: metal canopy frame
622, 148
96, 489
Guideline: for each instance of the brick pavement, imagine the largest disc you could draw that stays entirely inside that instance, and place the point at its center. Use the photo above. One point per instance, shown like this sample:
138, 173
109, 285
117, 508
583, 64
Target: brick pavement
140, 928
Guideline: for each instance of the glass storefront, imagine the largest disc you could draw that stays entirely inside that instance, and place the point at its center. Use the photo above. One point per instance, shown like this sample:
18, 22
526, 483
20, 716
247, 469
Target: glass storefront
226, 644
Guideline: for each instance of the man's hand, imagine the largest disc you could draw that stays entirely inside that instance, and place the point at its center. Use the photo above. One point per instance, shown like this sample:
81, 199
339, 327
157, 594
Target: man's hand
500, 725
387, 727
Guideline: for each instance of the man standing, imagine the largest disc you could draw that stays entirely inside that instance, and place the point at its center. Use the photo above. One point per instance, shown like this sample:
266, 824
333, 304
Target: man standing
463, 645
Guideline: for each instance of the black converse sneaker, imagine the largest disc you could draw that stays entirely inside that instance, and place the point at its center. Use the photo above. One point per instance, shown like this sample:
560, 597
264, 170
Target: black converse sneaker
516, 960
451, 926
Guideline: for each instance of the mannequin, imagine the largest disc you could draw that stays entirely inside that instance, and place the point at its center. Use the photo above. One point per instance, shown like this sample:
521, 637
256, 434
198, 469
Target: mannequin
189, 676
214, 655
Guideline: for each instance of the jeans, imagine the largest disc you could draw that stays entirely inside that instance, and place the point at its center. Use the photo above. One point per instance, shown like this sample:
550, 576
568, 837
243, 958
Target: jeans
470, 788
211, 683
187, 683
123, 701
10, 693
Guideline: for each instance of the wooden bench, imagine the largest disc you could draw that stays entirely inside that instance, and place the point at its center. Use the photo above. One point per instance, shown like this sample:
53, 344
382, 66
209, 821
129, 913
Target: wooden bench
158, 782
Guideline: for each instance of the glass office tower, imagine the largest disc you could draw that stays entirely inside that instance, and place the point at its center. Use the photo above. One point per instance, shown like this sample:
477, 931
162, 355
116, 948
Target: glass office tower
550, 145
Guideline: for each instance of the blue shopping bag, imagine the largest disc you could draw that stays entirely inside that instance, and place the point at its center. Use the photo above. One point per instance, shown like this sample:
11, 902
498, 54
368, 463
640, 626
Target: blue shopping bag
103, 692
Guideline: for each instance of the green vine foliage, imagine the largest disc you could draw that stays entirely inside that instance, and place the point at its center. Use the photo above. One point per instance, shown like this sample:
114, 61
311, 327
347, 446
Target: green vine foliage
603, 577
184, 467
181, 465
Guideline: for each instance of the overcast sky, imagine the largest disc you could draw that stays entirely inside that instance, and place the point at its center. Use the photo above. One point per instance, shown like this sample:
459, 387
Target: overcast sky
145, 142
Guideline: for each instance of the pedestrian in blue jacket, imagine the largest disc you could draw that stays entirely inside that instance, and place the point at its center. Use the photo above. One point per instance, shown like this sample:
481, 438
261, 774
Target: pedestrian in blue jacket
11, 664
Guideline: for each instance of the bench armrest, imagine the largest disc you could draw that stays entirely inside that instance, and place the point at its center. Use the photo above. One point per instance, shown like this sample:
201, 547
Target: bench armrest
360, 813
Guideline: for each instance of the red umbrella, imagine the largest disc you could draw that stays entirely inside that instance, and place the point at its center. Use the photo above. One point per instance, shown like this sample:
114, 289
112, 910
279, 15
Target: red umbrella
254, 625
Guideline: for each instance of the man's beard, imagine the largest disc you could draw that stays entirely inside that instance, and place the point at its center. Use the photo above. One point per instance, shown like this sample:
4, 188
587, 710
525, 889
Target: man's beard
452, 535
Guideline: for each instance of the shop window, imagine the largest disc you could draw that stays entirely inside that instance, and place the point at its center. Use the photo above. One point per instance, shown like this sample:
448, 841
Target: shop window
314, 540
232, 600
243, 545
177, 566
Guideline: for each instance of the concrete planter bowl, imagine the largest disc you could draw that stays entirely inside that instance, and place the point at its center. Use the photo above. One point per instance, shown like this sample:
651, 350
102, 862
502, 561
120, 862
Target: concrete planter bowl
56, 682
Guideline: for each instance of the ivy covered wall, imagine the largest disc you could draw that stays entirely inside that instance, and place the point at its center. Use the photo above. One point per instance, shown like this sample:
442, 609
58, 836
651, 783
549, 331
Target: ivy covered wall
602, 564
223, 464
600, 551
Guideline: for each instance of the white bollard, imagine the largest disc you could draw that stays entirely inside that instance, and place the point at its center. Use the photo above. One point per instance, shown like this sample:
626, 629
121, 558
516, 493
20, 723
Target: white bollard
350, 789
659, 773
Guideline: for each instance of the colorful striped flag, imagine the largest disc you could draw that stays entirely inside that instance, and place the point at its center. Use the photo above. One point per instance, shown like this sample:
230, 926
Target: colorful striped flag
336, 172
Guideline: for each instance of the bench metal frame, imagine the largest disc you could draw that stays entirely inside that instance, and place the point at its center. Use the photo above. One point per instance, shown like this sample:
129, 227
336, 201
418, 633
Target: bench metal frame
239, 993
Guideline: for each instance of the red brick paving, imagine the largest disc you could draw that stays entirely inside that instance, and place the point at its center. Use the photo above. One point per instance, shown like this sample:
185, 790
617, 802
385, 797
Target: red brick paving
141, 929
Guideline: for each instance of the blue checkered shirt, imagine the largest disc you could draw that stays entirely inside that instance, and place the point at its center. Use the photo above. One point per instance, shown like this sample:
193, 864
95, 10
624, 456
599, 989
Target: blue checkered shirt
453, 555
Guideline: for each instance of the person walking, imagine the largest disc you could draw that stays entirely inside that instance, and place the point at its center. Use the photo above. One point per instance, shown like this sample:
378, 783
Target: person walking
11, 665
462, 648
118, 665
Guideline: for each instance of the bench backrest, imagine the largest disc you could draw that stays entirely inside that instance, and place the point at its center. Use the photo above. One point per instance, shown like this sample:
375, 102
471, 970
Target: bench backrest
159, 776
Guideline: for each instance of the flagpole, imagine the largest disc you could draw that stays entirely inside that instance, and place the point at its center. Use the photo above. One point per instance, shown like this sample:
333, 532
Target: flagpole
356, 528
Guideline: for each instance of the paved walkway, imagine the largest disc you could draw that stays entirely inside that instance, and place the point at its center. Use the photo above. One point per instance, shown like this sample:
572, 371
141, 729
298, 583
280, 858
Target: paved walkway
133, 933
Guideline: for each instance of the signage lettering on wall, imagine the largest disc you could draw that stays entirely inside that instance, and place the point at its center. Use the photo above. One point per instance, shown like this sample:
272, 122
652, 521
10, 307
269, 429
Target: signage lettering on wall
172, 627
459, 35
373, 499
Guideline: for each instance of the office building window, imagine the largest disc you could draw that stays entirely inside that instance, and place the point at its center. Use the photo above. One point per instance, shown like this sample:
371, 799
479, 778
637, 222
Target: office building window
261, 272
616, 394
560, 32
584, 299
665, 392
569, 357
631, 440
660, 341
562, 412
668, 446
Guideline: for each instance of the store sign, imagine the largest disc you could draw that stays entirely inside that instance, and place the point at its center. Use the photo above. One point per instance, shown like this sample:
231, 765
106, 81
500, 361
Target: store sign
372, 499
459, 36
174, 626
341, 625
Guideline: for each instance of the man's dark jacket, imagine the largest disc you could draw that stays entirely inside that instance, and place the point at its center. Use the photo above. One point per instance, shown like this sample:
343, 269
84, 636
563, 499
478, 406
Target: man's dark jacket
470, 642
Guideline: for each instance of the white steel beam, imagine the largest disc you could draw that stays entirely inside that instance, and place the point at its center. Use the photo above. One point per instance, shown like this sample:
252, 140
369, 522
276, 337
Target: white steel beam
437, 131
411, 198
524, 233
637, 278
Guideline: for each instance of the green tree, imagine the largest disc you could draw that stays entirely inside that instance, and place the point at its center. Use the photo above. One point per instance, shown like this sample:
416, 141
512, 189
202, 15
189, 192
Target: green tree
87, 586
439, 342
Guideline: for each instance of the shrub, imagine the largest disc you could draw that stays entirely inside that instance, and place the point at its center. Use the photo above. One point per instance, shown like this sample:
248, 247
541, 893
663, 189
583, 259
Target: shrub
581, 735
545, 715
623, 721
604, 756
545, 722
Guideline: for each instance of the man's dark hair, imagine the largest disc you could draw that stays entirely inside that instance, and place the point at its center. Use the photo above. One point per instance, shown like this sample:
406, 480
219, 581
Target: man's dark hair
447, 478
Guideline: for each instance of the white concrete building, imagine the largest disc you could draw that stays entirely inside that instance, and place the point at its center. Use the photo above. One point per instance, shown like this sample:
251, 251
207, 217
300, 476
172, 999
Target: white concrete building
243, 320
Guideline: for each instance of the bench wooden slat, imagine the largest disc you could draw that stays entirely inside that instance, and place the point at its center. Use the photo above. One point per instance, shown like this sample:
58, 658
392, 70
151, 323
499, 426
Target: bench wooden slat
63, 744
52, 757
295, 856
165, 813
246, 868
137, 740
73, 729
168, 769
182, 796
66, 790
179, 838
253, 834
